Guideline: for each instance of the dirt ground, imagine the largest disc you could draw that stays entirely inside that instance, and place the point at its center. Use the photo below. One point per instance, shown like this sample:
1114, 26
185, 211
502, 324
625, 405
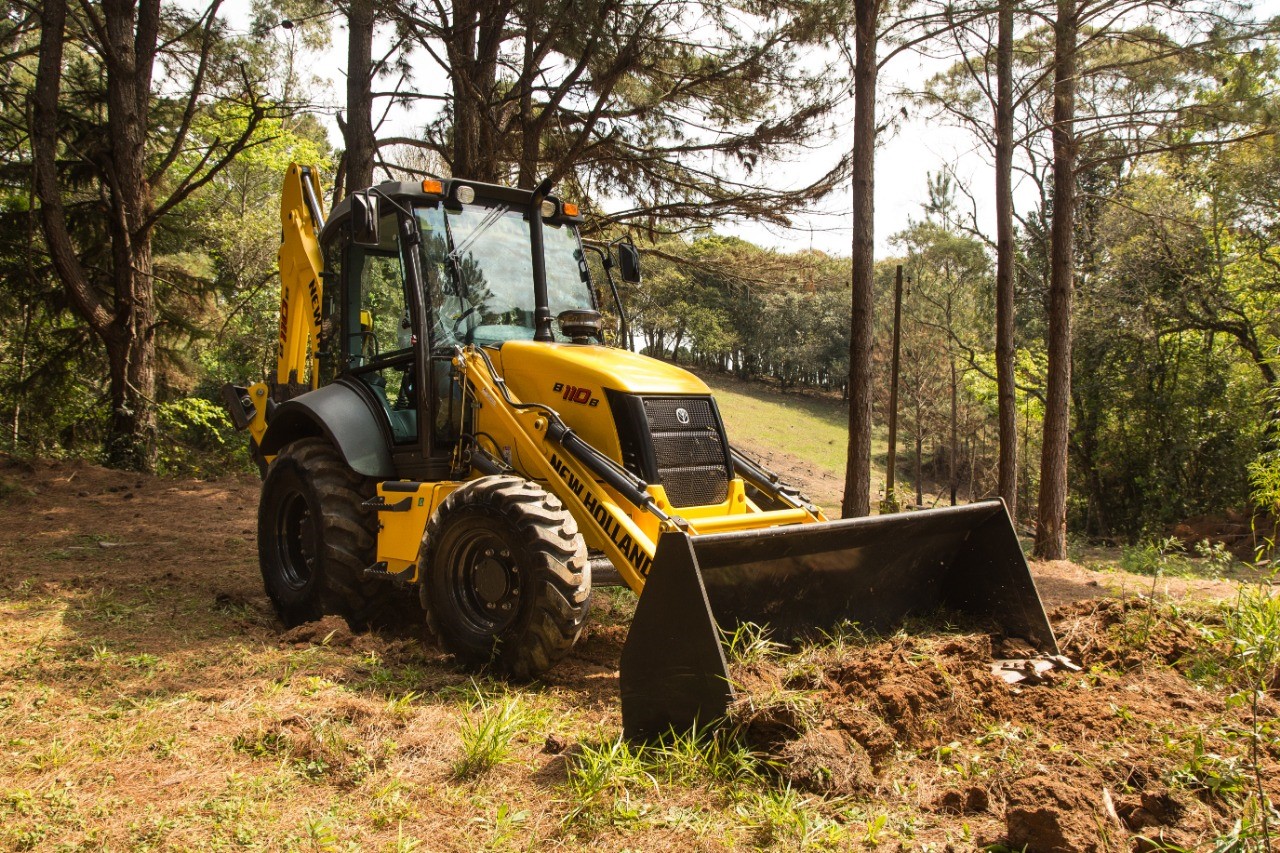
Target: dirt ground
1101, 760
816, 483
150, 699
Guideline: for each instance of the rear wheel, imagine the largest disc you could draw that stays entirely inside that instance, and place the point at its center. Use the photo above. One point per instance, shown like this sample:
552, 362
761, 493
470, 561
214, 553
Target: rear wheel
507, 582
315, 539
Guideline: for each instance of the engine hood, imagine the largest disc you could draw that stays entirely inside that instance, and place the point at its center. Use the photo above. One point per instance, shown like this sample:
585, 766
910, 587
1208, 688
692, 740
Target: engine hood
573, 379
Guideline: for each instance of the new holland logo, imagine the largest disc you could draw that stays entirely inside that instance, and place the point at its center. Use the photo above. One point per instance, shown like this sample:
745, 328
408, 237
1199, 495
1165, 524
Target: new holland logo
682, 415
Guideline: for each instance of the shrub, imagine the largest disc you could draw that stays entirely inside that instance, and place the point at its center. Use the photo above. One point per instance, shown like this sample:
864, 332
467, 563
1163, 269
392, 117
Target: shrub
197, 439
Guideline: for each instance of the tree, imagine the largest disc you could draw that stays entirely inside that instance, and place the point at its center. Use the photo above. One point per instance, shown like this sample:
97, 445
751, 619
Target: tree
857, 478
1005, 268
1051, 523
1136, 69
613, 98
137, 180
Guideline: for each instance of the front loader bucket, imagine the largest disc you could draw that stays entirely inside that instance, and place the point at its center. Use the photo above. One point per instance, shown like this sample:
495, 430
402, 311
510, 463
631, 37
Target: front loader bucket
802, 579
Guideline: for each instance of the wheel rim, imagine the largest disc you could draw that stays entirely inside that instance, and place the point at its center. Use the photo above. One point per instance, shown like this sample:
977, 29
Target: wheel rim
486, 581
292, 525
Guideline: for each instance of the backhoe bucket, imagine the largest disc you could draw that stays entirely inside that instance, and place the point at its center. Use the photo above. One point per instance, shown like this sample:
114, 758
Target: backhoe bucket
799, 580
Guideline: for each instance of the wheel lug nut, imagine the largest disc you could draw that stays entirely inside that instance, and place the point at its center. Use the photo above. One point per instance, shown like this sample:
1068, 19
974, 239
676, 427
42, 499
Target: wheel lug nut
488, 552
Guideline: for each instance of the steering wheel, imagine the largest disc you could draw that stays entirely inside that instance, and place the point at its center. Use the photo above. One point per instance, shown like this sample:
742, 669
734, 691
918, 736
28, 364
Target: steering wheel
458, 321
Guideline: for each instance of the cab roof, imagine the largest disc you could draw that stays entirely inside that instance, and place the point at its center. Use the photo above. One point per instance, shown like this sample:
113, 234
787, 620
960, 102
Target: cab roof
410, 192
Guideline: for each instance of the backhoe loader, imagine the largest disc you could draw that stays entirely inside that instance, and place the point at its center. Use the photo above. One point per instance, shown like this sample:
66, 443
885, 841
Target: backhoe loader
448, 417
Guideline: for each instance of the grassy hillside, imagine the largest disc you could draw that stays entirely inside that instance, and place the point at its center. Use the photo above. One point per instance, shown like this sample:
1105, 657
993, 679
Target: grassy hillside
803, 438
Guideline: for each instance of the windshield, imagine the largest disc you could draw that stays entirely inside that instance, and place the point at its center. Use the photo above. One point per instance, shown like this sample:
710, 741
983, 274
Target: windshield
482, 287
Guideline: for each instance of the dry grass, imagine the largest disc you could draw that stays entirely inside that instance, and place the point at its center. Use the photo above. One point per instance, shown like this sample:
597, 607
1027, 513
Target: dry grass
148, 700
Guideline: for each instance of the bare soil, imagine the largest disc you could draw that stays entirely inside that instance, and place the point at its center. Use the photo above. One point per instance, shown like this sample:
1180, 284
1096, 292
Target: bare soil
1075, 762
150, 698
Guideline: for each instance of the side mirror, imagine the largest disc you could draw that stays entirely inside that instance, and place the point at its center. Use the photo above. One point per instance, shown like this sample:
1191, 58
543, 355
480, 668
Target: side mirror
629, 262
364, 219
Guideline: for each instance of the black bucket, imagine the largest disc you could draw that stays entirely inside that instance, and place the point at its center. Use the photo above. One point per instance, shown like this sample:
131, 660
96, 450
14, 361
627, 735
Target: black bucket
803, 579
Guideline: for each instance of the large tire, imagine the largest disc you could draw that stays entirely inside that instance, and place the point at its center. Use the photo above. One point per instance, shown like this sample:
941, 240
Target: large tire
508, 584
315, 539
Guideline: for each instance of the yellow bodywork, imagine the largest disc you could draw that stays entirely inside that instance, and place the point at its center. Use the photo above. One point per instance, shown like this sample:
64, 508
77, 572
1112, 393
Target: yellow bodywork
531, 371
300, 282
402, 525
546, 373
301, 287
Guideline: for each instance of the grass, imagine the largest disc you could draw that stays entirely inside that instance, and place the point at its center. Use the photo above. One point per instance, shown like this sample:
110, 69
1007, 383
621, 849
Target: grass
489, 729
815, 429
148, 702
811, 431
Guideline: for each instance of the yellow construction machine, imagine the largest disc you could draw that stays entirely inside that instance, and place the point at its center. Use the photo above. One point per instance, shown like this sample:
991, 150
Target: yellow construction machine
448, 416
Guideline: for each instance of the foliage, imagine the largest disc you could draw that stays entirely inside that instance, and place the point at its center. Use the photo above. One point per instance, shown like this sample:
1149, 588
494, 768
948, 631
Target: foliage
200, 439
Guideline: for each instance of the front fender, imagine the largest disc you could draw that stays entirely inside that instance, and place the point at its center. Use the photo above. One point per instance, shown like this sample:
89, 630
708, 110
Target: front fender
342, 415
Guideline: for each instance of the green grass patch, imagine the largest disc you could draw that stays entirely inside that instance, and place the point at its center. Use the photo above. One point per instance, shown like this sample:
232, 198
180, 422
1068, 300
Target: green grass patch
489, 730
814, 429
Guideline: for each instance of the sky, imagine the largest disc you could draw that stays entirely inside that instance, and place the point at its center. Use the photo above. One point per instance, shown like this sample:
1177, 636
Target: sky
918, 146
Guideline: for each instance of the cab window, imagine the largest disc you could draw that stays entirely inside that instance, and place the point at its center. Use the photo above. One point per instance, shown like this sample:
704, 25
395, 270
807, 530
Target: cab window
378, 328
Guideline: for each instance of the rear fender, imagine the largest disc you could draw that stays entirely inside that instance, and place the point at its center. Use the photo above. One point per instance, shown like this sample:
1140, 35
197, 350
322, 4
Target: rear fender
342, 415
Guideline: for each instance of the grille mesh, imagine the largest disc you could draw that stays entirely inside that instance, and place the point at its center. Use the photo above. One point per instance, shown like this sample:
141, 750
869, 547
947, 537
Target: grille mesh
690, 456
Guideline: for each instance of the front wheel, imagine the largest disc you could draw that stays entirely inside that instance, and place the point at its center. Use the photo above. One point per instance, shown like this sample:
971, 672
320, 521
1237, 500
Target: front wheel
508, 584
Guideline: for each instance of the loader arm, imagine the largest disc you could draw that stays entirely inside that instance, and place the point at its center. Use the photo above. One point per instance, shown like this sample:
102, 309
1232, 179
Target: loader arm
624, 513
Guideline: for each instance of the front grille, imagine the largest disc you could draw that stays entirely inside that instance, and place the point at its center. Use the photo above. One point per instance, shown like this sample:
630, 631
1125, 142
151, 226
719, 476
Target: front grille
688, 449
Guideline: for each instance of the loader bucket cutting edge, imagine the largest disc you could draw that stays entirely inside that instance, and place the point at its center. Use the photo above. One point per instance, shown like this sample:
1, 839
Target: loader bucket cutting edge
802, 579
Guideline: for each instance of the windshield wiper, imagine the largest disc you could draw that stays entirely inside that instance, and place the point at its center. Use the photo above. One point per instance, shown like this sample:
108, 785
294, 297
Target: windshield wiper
494, 215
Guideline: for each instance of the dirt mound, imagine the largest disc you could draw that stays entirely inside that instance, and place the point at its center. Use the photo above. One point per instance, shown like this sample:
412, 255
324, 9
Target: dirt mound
918, 693
329, 631
1030, 765
1123, 633
1235, 529
1048, 815
824, 762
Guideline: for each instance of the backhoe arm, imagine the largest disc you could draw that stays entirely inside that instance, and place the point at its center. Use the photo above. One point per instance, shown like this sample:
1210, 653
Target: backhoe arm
300, 279
301, 264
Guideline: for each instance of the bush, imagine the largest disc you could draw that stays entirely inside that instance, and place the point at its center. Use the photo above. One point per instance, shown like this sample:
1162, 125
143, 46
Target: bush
197, 439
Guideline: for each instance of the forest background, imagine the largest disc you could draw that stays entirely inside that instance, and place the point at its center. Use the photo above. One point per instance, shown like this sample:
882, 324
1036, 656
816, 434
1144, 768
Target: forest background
1135, 384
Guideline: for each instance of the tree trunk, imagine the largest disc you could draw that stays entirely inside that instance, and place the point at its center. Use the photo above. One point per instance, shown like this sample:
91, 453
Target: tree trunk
857, 482
357, 130
919, 463
19, 392
1007, 477
127, 328
955, 428
1051, 527
472, 49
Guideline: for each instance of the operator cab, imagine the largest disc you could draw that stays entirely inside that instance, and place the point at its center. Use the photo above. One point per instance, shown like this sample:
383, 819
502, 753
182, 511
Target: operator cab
477, 258
456, 259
